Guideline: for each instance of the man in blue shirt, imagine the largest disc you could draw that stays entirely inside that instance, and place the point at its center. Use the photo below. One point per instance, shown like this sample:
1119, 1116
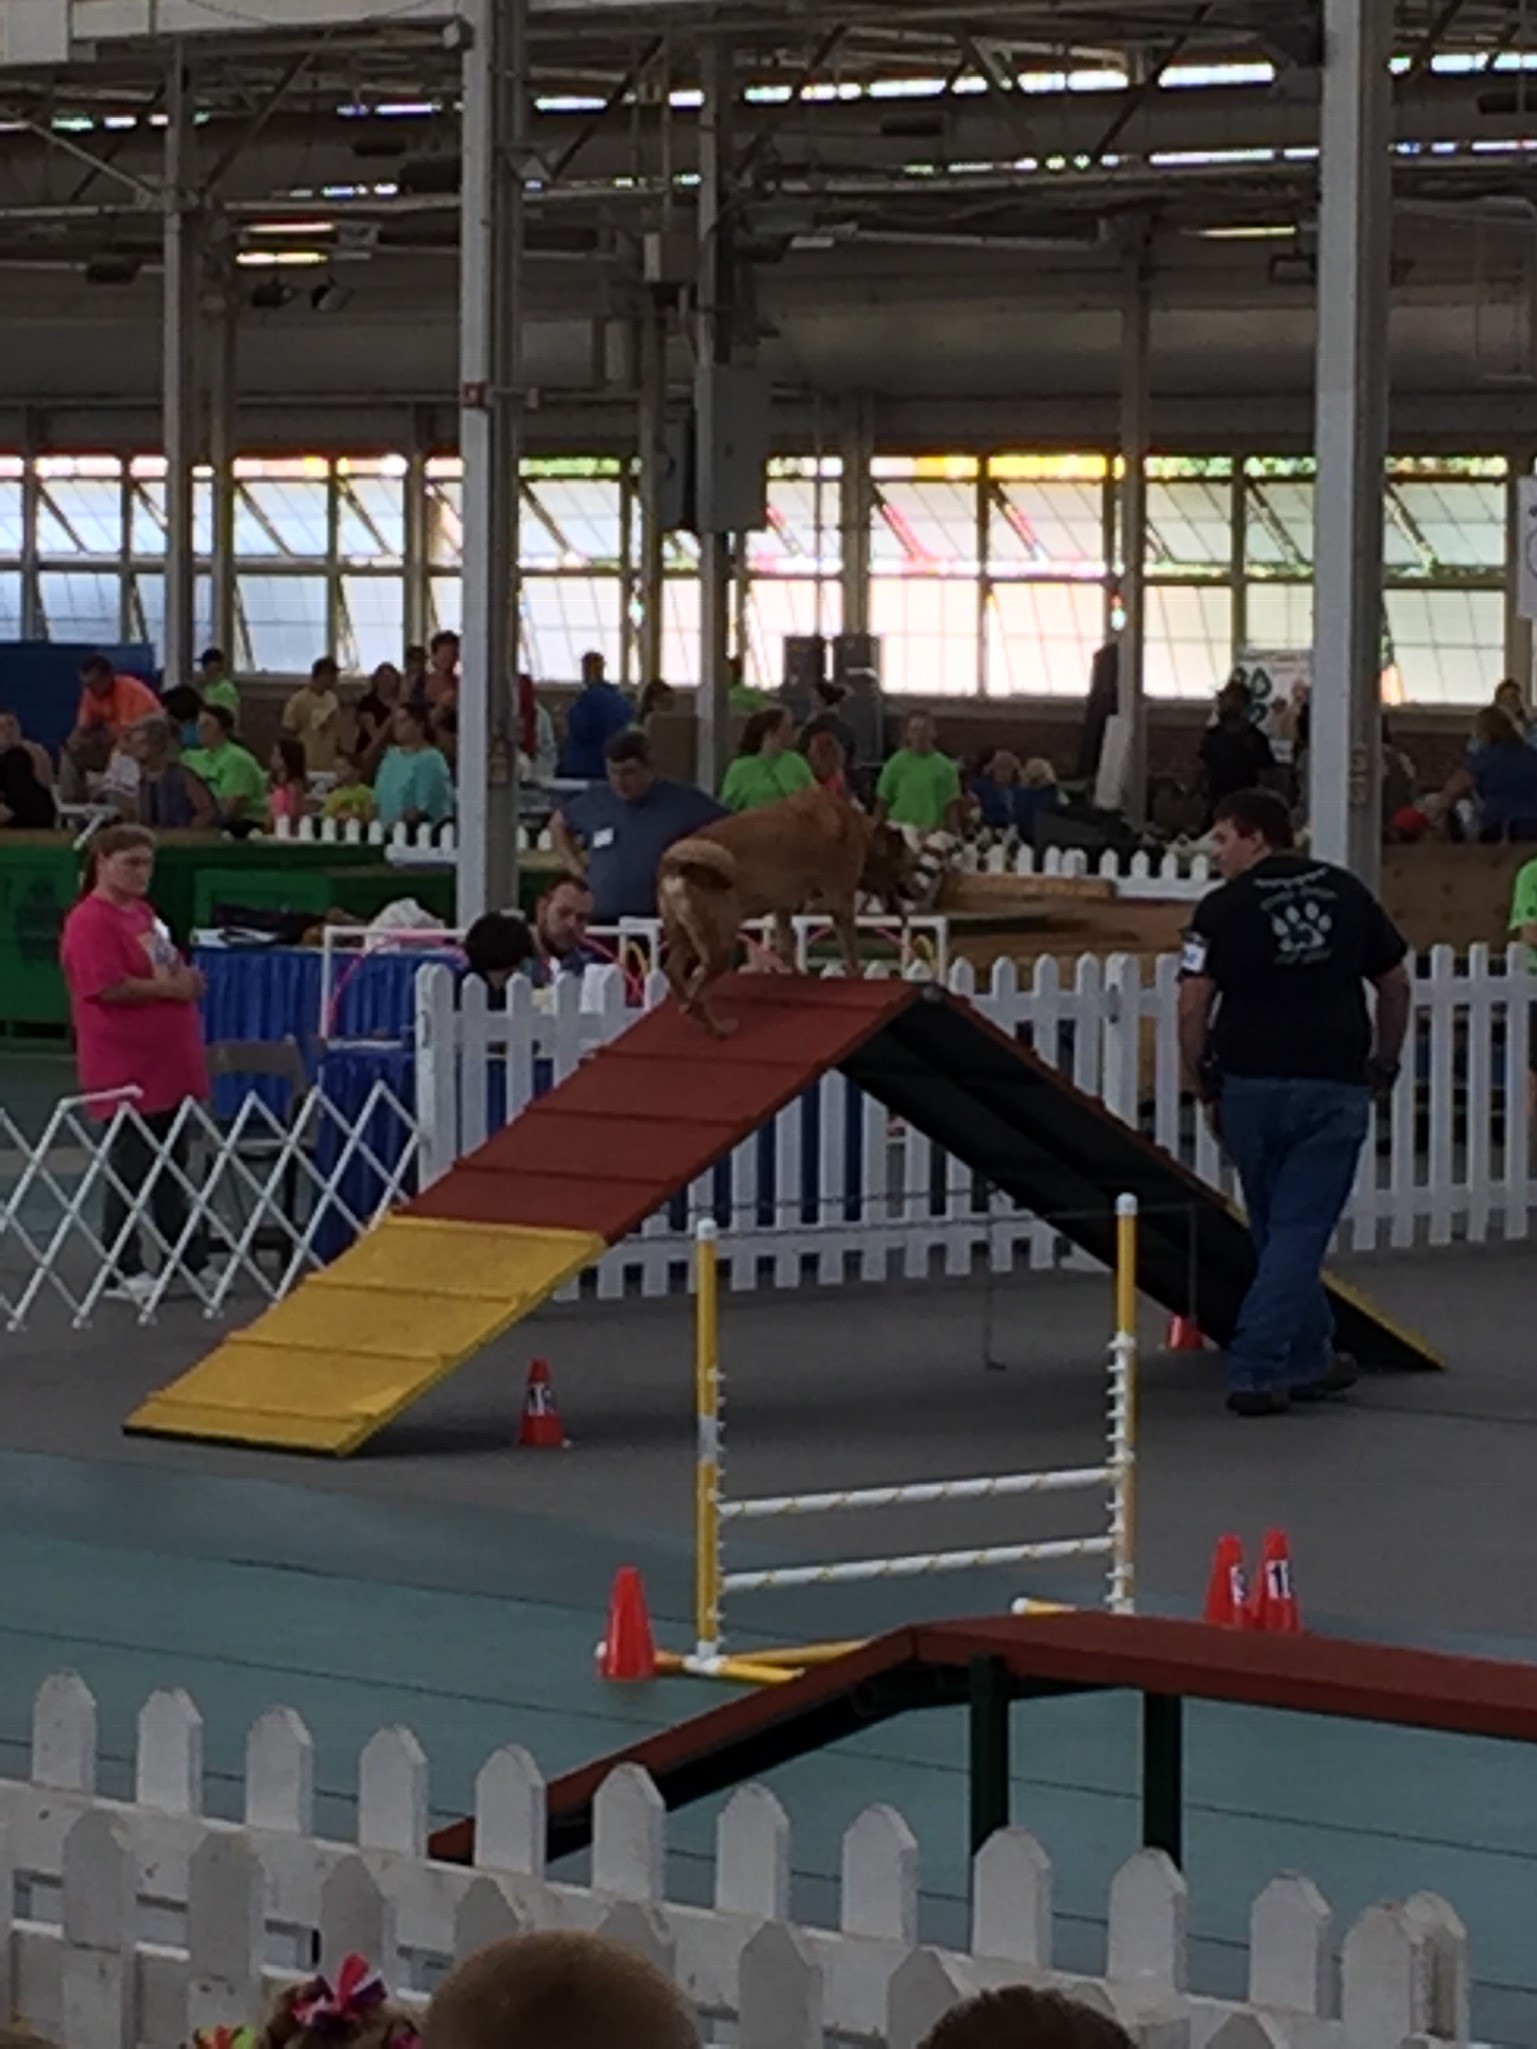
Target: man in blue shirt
598, 714
616, 833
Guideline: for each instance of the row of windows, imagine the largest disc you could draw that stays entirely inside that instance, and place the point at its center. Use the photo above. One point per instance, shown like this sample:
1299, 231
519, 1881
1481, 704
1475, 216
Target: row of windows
989, 574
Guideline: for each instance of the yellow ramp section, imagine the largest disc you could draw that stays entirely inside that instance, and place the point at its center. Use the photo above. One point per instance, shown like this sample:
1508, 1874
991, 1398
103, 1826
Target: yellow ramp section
367, 1336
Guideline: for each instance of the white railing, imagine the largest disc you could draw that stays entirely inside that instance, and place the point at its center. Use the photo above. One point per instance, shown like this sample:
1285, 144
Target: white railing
837, 1189
218, 1211
352, 832
130, 1925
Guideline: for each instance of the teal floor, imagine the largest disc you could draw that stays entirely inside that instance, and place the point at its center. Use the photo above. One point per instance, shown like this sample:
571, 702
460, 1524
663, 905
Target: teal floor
450, 1583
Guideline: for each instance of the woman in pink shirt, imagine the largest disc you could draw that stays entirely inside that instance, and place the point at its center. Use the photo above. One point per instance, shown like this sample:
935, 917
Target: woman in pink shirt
138, 1041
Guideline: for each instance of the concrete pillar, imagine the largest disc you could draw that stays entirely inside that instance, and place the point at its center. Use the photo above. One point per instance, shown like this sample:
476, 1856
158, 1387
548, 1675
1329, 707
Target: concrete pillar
1136, 338
223, 444
1345, 765
1518, 631
179, 370
651, 355
490, 438
856, 446
714, 347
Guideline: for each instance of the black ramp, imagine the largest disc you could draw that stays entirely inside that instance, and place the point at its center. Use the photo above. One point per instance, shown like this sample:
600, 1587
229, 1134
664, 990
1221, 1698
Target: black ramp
952, 1075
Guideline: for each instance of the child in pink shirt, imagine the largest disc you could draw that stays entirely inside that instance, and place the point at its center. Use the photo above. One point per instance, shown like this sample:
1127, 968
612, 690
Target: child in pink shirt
288, 792
138, 1041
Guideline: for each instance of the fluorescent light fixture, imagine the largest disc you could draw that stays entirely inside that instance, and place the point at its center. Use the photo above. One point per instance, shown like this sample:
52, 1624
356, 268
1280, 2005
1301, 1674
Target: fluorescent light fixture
286, 259
1250, 231
294, 227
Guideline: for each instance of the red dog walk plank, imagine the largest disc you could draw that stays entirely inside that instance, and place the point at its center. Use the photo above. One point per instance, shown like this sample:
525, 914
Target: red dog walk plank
661, 1104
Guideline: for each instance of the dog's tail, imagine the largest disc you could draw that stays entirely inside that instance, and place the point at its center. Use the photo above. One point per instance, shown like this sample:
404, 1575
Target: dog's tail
700, 863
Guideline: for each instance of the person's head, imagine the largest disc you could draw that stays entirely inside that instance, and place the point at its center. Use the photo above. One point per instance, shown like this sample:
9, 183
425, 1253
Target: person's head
215, 726
496, 946
1233, 703
444, 653
416, 659
657, 696
11, 734
562, 916
767, 732
183, 704
825, 757
385, 682
1493, 729
96, 674
120, 862
1509, 698
353, 2012
1003, 768
594, 668
830, 692
410, 726
151, 741
1039, 773
918, 734
324, 673
1020, 2017
1247, 828
288, 761
558, 1990
212, 664
628, 759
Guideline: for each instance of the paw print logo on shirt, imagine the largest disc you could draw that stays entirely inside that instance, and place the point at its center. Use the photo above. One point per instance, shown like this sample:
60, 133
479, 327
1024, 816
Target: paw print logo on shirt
1302, 928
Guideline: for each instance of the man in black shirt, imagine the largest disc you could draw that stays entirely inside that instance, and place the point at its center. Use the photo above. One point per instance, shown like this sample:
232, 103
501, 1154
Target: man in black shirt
1274, 1025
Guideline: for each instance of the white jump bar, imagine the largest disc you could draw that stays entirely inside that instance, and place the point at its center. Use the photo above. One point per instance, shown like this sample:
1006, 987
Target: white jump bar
915, 1567
1069, 1480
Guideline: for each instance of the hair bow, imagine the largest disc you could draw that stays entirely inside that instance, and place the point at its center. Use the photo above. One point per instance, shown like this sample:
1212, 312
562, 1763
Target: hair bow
334, 2009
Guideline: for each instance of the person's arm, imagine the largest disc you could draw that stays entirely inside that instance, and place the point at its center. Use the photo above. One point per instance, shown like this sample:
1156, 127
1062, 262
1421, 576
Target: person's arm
180, 985
883, 792
731, 786
1197, 994
573, 856
1394, 997
1459, 784
200, 797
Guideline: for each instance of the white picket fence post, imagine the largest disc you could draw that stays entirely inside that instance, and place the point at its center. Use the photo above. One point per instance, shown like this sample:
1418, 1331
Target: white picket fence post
164, 1921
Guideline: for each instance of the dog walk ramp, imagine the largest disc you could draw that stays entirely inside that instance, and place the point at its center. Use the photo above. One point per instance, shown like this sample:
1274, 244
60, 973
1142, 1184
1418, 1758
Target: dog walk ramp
643, 1118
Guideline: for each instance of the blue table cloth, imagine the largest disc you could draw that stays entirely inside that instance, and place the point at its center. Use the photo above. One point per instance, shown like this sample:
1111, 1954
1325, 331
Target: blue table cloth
347, 1077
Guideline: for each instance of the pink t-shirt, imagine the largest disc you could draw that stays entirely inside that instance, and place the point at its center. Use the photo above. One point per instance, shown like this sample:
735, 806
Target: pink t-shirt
287, 800
156, 1046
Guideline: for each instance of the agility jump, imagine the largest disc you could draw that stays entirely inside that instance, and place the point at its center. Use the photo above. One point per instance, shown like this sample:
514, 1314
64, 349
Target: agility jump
713, 1510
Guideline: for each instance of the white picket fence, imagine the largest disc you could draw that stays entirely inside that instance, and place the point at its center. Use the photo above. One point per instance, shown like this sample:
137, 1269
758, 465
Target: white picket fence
1178, 872
837, 1189
127, 1925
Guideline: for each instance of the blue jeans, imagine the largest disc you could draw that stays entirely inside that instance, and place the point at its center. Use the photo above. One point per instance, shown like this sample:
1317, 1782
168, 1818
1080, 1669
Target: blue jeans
1295, 1145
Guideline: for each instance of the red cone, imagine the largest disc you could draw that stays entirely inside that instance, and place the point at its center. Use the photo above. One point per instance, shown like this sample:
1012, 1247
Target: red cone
1184, 1335
628, 1649
1227, 1591
1274, 1608
541, 1428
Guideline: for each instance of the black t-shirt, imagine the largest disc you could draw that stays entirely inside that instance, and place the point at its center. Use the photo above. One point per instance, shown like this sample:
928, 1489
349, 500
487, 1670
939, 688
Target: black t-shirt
1290, 946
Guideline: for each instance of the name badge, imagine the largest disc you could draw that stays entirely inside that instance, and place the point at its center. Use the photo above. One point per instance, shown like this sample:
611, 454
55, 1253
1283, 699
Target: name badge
1192, 956
603, 838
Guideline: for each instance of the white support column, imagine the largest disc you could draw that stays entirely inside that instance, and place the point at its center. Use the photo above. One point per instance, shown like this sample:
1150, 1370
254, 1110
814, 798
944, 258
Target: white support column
856, 442
179, 370
222, 440
651, 431
713, 721
490, 440
1136, 341
1354, 230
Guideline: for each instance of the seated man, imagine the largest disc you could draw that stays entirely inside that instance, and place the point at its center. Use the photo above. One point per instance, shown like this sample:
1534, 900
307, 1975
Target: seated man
231, 772
109, 705
561, 945
26, 780
615, 833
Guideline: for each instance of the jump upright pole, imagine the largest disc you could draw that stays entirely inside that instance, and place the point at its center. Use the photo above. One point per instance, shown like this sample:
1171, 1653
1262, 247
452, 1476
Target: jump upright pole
708, 1452
1123, 1413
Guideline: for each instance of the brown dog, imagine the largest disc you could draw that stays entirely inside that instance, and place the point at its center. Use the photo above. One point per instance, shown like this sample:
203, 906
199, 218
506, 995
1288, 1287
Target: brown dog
813, 850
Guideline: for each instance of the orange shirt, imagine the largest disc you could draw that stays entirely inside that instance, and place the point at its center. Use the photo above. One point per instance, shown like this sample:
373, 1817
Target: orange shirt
126, 701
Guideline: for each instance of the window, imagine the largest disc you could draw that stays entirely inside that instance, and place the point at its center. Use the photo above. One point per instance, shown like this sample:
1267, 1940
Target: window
571, 521
146, 613
372, 622
779, 607
1190, 526
1449, 645
82, 605
1188, 649
925, 517
284, 621
282, 509
371, 511
564, 616
929, 634
1041, 637
1046, 515
80, 506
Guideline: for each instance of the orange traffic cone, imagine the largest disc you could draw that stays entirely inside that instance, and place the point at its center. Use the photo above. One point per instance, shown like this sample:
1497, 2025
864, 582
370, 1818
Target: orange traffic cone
1274, 1607
628, 1649
1184, 1335
541, 1428
1227, 1591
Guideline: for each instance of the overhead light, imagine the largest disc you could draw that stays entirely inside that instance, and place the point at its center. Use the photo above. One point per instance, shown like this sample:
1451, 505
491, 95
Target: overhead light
1250, 231
282, 259
289, 227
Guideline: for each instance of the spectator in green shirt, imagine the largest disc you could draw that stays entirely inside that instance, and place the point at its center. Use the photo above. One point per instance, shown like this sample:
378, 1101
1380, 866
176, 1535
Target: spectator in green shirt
1523, 923
919, 786
767, 768
231, 771
215, 683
